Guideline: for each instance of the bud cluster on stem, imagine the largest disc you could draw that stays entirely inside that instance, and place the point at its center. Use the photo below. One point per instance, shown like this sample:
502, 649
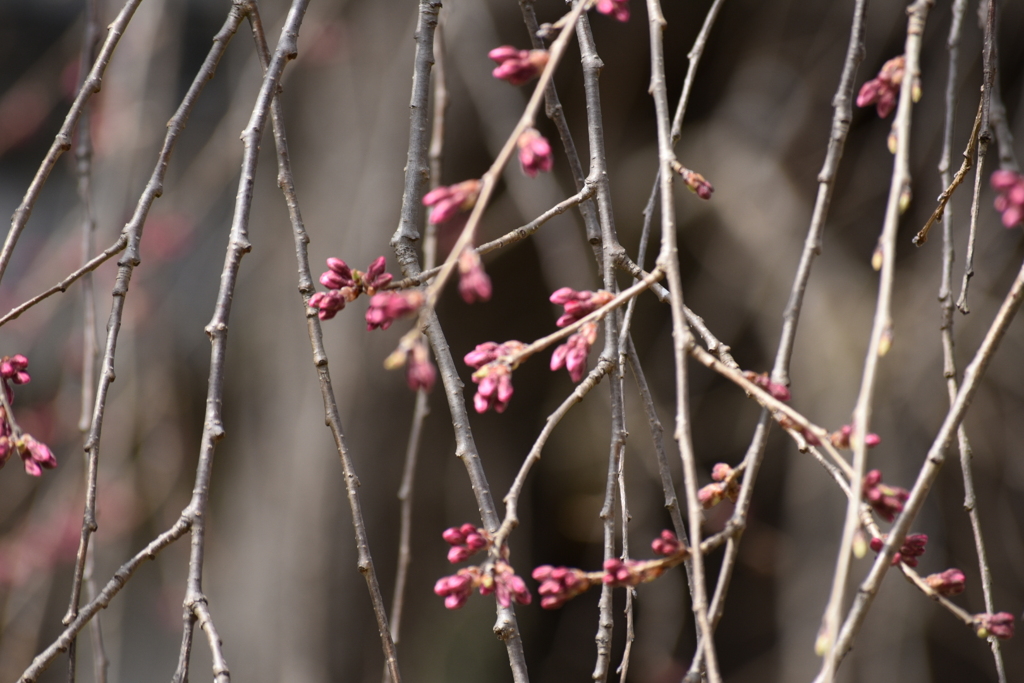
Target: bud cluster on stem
35, 455
496, 576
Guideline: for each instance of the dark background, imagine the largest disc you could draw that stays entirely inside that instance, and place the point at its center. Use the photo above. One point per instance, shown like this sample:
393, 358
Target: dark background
280, 570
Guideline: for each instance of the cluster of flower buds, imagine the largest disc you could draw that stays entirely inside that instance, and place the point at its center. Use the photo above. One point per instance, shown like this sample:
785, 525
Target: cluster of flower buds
883, 89
518, 66
451, 201
344, 285
578, 304
493, 378
621, 573
572, 355
474, 284
887, 501
558, 585
912, 548
534, 153
497, 577
35, 455
841, 438
999, 625
777, 391
386, 307
668, 544
465, 541
725, 486
1010, 202
949, 582
617, 8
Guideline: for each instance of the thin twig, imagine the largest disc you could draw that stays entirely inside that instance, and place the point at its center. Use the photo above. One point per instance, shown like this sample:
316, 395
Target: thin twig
668, 259
881, 329
286, 181
929, 471
984, 138
922, 236
62, 141
83, 171
946, 308
623, 669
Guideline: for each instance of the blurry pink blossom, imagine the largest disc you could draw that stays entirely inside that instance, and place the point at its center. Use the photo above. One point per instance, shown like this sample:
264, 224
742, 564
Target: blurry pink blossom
534, 152
884, 88
1010, 202
517, 66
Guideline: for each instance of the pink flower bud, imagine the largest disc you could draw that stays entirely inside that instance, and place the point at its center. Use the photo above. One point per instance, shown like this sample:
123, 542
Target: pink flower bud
13, 368
618, 8
887, 501
420, 373
449, 201
327, 304
949, 582
780, 392
841, 438
35, 455
385, 307
559, 585
474, 285
883, 90
534, 153
572, 355
667, 544
1010, 202
999, 625
517, 66
578, 305
711, 495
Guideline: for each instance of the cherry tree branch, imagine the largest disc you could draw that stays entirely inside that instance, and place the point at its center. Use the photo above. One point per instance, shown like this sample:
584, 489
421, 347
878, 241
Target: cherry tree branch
403, 241
668, 259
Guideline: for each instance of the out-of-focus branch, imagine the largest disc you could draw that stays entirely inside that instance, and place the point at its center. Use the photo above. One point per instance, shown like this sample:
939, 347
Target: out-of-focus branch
62, 141
286, 181
881, 329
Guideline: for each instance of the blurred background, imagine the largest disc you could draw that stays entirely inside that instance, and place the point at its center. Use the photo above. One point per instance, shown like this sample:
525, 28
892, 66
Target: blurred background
280, 571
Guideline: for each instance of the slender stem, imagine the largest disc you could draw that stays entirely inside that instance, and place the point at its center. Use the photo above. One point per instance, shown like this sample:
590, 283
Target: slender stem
286, 182
668, 259
62, 141
899, 196
929, 471
83, 171
988, 54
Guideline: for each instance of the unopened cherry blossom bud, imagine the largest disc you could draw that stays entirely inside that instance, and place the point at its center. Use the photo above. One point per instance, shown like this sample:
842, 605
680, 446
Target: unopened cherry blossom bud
617, 8
1010, 201
457, 588
883, 89
559, 584
949, 582
474, 284
711, 495
534, 152
327, 304
841, 438
578, 305
518, 66
999, 625
721, 471
420, 373
667, 544
913, 547
13, 368
508, 586
777, 391
572, 355
886, 500
494, 388
386, 307
448, 202
35, 455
